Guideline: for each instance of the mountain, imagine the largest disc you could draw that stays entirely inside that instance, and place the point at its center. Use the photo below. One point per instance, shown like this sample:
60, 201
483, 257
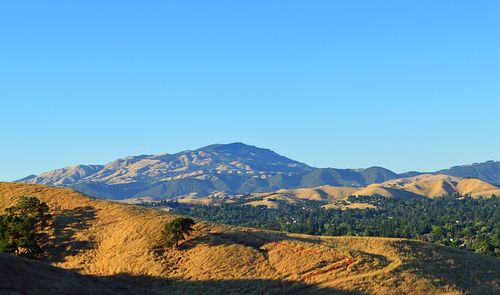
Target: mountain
488, 171
102, 247
232, 168
64, 176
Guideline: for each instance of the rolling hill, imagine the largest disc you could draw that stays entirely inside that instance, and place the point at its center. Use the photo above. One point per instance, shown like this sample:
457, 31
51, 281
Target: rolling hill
106, 246
421, 186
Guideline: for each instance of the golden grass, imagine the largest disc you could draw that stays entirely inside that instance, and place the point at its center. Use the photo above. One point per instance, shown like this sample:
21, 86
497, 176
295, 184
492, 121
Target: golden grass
432, 186
93, 235
106, 239
426, 185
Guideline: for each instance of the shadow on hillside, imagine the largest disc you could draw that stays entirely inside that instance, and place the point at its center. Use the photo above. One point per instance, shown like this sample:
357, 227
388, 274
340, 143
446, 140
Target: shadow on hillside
23, 276
248, 238
154, 285
67, 224
446, 266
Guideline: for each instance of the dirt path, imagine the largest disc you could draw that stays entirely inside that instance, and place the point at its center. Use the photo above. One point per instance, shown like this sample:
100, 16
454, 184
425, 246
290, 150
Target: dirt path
393, 264
343, 263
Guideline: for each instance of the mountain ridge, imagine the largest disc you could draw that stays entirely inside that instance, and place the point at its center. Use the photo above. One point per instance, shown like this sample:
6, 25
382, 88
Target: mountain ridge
234, 168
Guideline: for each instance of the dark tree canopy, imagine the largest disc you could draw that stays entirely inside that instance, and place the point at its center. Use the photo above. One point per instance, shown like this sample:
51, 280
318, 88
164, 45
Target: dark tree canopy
21, 225
175, 230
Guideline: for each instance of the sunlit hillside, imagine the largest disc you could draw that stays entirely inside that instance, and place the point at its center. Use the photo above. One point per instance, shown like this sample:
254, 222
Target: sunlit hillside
421, 186
104, 240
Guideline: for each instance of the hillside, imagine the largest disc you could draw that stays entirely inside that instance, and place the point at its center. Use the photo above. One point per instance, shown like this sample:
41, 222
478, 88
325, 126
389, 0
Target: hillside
103, 240
438, 185
421, 186
231, 168
23, 276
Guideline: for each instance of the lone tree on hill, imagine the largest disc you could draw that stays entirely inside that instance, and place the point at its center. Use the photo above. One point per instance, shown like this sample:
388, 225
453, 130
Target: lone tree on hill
21, 227
175, 230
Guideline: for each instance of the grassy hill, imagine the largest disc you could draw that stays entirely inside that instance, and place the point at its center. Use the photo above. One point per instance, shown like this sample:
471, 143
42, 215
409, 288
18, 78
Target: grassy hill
101, 245
420, 186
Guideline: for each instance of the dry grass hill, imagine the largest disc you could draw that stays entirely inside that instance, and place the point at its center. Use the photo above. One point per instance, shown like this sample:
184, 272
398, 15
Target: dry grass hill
421, 186
101, 247
425, 185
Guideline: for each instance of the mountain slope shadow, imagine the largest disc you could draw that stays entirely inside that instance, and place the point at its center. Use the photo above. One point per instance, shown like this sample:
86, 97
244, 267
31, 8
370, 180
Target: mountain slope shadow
23, 276
235, 286
67, 224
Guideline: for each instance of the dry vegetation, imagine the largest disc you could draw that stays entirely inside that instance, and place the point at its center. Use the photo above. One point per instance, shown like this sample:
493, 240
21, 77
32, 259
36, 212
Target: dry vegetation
95, 240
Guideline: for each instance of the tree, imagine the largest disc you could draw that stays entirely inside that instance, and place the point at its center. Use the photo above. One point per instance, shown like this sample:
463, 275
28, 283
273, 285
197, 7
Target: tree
436, 234
21, 226
175, 230
31, 207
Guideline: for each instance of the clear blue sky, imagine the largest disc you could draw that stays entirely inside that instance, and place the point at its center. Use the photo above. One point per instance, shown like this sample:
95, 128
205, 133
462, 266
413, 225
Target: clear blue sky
408, 85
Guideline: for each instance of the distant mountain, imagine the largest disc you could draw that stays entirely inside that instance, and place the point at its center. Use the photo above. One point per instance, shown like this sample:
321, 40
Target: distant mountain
234, 168
488, 171
64, 176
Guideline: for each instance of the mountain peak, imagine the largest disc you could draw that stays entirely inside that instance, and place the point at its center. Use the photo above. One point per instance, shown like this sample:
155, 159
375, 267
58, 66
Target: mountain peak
230, 147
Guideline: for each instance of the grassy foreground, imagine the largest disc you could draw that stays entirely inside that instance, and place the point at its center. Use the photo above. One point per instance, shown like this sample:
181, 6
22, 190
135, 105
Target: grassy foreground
100, 247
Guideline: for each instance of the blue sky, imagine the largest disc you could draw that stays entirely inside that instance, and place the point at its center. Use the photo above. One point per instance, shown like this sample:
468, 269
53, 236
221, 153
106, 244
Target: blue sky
408, 85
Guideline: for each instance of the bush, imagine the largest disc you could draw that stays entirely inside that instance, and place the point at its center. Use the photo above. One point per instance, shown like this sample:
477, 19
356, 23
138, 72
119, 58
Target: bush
21, 225
175, 230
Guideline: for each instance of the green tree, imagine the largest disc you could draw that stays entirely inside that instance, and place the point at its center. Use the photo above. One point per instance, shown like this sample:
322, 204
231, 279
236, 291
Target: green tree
436, 234
21, 226
175, 230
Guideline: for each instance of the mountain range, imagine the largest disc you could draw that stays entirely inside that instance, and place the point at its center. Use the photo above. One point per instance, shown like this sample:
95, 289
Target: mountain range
234, 168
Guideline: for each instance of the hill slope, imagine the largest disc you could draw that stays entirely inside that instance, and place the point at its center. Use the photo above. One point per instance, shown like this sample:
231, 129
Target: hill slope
438, 185
105, 239
421, 186
23, 276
